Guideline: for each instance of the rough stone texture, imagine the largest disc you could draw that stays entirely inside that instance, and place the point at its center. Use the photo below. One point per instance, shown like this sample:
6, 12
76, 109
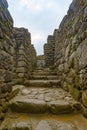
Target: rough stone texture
13, 122
18, 126
25, 53
43, 100
7, 43
40, 61
49, 51
84, 98
17, 56
43, 125
70, 60
60, 107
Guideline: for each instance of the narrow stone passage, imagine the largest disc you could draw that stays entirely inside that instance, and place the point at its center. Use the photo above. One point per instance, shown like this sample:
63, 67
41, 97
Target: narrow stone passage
42, 107
54, 95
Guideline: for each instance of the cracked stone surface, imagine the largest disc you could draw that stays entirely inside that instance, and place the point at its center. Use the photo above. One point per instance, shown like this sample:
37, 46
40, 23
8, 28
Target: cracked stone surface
15, 121
43, 100
43, 108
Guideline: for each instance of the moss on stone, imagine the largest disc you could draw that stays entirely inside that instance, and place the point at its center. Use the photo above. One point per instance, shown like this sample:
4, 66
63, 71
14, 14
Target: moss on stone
5, 107
75, 92
14, 93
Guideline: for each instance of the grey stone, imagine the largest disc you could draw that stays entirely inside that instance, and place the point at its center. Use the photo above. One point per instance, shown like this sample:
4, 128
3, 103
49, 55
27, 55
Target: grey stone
19, 126
4, 2
49, 51
84, 98
60, 107
85, 12
28, 105
43, 125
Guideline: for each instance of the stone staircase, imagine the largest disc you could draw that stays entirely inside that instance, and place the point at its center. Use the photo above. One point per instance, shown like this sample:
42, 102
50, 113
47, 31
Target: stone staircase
43, 78
43, 105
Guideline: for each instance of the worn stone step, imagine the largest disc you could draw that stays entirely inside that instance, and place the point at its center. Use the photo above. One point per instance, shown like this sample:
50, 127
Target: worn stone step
43, 77
31, 103
36, 106
43, 69
43, 100
42, 83
14, 121
44, 73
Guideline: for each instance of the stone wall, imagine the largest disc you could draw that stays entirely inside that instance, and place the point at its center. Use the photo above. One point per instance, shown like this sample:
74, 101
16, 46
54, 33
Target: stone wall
40, 61
49, 50
17, 54
17, 57
70, 60
25, 54
7, 44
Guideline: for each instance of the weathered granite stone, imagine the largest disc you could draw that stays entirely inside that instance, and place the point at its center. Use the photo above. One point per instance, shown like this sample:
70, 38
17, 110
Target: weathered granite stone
43, 125
25, 53
28, 106
6, 44
40, 61
60, 107
49, 51
7, 62
70, 54
19, 126
84, 98
17, 55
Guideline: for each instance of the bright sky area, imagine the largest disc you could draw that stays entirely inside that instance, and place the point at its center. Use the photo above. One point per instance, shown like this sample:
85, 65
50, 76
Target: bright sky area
41, 17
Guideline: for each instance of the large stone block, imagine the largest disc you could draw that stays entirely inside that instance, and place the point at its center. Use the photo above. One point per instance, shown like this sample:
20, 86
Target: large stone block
7, 43
25, 53
28, 106
70, 50
84, 98
49, 49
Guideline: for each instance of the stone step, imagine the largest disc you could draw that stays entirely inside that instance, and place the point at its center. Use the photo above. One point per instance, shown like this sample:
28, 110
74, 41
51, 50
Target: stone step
21, 121
43, 69
42, 83
36, 106
43, 77
43, 100
30, 105
43, 73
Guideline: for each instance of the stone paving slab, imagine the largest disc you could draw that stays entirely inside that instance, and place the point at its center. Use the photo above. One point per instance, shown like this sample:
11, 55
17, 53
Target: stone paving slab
15, 121
43, 77
42, 83
43, 100
43, 73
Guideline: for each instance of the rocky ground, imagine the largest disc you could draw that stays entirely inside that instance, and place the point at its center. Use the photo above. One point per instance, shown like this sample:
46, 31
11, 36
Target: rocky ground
47, 107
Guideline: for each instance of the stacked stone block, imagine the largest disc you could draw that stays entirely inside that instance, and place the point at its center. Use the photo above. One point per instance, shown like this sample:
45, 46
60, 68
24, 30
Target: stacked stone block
49, 50
7, 44
40, 61
25, 53
71, 51
17, 57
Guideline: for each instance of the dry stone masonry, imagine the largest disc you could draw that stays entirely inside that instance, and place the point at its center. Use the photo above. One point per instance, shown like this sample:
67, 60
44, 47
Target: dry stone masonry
70, 60
7, 44
40, 107
49, 51
25, 54
43, 91
40, 61
17, 56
